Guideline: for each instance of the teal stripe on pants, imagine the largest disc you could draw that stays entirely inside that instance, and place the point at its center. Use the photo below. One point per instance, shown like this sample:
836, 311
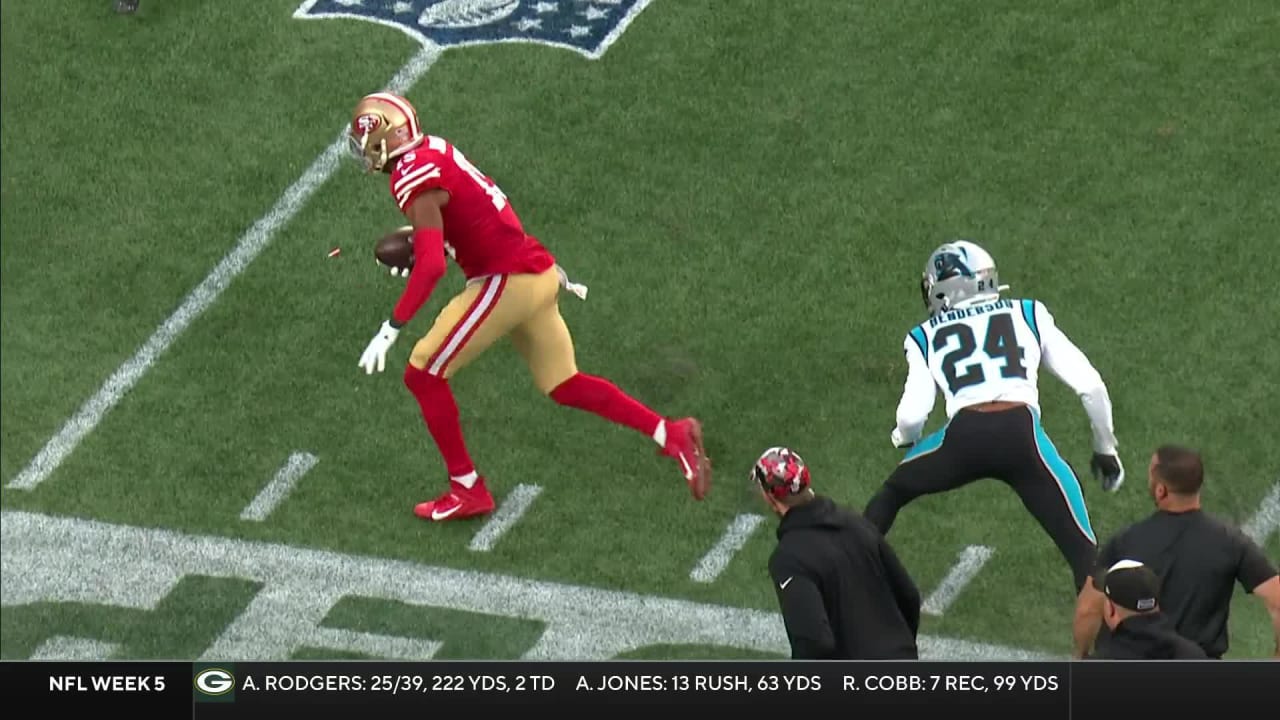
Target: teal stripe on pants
1067, 480
926, 444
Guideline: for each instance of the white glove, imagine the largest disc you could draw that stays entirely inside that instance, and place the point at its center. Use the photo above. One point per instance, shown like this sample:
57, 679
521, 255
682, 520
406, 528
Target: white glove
898, 441
395, 271
375, 356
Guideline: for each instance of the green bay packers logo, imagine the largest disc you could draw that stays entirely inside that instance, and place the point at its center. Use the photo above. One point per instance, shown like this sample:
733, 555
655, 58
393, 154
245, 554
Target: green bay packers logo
215, 682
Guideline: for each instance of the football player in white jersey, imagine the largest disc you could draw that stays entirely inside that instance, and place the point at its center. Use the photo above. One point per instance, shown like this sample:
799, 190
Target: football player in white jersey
984, 352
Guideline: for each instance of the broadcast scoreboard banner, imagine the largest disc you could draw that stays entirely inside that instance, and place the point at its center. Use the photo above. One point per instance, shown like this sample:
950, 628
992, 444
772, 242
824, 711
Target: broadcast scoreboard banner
1039, 690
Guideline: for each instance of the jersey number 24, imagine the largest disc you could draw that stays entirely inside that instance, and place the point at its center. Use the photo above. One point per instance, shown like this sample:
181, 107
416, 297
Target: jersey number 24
1001, 342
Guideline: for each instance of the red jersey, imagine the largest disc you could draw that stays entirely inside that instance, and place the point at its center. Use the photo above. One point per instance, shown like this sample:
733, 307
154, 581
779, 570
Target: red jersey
481, 231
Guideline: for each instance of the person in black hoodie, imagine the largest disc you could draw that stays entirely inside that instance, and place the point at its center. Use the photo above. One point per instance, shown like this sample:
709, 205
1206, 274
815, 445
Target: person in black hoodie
843, 592
1139, 631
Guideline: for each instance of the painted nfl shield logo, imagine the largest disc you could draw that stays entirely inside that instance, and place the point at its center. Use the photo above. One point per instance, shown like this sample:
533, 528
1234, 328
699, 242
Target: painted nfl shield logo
587, 27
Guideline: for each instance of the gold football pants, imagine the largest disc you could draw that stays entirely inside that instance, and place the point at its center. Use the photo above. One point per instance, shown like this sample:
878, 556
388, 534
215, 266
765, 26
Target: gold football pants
524, 307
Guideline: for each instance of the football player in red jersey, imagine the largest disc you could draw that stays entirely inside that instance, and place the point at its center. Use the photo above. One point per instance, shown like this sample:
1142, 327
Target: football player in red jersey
512, 290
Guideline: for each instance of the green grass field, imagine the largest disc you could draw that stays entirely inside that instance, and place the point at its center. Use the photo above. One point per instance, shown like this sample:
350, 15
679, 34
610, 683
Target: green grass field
750, 189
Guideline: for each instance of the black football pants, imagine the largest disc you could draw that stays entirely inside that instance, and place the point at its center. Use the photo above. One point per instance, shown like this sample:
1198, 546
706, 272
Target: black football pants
1006, 445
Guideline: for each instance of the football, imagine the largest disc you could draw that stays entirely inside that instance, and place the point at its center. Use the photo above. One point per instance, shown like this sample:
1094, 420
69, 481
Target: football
396, 249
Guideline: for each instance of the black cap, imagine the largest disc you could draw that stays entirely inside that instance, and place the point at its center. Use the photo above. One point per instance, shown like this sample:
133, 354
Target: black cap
1133, 586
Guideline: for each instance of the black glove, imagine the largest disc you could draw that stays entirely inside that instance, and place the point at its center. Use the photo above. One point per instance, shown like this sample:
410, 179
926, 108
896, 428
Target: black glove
1108, 470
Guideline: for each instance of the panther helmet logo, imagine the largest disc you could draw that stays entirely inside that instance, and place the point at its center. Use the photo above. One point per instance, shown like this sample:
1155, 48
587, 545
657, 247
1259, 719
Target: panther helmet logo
948, 265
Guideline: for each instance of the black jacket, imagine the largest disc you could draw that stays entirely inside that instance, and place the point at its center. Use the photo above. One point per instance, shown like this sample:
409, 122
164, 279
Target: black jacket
1149, 637
844, 594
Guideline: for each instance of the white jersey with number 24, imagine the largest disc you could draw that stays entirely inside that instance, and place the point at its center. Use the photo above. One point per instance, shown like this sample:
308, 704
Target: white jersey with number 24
984, 353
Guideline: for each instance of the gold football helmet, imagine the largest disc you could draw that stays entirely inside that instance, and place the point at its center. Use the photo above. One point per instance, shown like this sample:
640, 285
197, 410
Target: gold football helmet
383, 127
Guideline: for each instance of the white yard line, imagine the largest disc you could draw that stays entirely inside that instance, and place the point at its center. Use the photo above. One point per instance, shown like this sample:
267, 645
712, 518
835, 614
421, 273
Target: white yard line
718, 557
251, 244
1267, 519
281, 485
63, 647
48, 558
375, 646
509, 513
971, 560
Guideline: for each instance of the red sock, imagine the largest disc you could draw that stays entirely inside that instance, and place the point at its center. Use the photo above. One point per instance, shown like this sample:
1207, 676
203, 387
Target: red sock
599, 396
440, 412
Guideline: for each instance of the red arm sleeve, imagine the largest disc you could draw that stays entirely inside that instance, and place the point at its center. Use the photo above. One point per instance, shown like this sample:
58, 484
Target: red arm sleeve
428, 268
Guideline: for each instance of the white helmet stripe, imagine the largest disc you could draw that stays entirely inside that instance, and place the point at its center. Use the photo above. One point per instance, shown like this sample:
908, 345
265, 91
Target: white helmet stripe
403, 107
